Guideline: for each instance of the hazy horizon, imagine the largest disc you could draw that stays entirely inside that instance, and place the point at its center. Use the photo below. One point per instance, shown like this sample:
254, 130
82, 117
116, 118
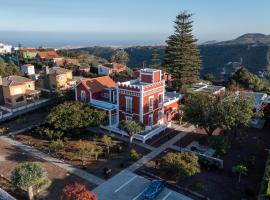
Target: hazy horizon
104, 22
76, 39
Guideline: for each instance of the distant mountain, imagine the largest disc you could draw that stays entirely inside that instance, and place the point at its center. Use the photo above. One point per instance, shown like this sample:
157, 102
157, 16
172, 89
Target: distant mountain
249, 38
218, 58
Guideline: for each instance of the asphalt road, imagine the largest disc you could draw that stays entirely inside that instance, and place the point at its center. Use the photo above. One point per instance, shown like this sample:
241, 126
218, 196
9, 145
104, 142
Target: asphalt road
129, 186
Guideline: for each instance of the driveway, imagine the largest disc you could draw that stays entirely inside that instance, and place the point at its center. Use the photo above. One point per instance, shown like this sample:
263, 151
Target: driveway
129, 186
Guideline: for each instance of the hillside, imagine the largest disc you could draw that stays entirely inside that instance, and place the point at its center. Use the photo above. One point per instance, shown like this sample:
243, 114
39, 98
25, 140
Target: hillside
219, 58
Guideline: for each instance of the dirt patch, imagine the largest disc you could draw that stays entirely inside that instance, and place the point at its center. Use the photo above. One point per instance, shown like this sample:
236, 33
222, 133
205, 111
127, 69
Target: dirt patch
115, 161
58, 176
224, 185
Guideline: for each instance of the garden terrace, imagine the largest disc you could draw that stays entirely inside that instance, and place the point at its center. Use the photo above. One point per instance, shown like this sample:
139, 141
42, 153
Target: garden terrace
248, 148
116, 160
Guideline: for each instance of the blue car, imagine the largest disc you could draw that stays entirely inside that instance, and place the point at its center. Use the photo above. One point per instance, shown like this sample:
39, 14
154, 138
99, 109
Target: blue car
154, 188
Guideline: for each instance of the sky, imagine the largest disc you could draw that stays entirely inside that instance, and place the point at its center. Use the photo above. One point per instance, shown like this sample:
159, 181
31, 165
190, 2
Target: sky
134, 21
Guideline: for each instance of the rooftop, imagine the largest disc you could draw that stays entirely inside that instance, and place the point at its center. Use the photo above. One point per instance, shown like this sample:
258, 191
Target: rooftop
58, 70
170, 96
48, 54
206, 88
99, 83
15, 80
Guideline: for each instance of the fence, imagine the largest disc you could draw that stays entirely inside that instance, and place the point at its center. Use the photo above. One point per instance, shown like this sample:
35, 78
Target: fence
13, 112
142, 136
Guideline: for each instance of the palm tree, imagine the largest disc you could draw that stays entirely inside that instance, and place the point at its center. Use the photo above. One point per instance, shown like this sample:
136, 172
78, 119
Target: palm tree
131, 127
240, 169
108, 142
29, 175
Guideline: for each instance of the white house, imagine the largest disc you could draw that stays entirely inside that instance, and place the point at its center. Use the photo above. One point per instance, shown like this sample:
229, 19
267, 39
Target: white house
4, 49
28, 69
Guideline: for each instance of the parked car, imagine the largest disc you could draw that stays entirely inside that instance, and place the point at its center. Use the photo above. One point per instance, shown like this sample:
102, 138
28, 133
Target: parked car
152, 191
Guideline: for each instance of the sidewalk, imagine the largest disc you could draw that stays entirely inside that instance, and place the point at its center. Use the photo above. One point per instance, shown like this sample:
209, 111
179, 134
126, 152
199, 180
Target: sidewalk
82, 174
156, 152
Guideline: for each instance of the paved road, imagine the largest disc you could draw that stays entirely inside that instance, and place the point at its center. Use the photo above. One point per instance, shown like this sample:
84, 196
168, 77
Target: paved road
129, 186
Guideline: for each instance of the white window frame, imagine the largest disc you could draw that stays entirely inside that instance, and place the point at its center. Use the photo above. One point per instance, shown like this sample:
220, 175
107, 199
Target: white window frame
150, 116
83, 94
151, 108
129, 108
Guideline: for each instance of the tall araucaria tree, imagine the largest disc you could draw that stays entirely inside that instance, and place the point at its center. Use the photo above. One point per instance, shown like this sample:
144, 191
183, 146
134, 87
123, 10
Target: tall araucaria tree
182, 56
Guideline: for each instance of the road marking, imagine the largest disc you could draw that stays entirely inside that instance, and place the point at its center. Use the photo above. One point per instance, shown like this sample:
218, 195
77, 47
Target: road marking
167, 195
139, 195
125, 183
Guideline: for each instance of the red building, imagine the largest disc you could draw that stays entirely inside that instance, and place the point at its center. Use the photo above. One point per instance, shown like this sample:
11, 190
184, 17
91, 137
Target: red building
143, 99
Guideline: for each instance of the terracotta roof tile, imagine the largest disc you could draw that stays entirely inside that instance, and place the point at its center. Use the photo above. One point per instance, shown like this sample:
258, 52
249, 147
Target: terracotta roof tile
48, 54
98, 84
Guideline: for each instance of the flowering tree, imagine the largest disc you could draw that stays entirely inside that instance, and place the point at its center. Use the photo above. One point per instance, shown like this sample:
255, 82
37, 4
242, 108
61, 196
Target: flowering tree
77, 191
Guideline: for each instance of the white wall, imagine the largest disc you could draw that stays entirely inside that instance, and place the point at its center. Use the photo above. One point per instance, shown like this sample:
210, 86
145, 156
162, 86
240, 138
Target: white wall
103, 70
5, 48
28, 70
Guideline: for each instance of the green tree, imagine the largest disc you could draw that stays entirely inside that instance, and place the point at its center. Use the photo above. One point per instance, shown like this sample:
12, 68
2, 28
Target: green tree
108, 142
56, 145
180, 165
237, 110
51, 134
28, 176
67, 65
8, 69
132, 127
247, 80
212, 111
120, 56
182, 56
204, 111
240, 170
134, 155
209, 77
71, 115
220, 143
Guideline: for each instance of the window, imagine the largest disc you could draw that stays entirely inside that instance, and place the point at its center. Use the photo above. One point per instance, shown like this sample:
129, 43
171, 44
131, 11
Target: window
160, 115
151, 103
29, 85
160, 101
61, 78
83, 96
150, 120
129, 104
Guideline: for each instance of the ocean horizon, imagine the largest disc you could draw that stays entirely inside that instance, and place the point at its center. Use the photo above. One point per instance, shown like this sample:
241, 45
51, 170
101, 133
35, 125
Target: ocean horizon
76, 40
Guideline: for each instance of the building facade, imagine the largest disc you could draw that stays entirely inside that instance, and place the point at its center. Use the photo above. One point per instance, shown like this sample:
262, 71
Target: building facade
56, 78
108, 68
18, 91
5, 49
143, 99
28, 69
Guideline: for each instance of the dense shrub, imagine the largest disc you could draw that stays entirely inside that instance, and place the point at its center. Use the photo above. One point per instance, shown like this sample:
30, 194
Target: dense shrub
134, 155
220, 143
180, 165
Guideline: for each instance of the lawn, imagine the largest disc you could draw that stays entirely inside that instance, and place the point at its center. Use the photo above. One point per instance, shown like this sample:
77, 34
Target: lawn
224, 185
116, 160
